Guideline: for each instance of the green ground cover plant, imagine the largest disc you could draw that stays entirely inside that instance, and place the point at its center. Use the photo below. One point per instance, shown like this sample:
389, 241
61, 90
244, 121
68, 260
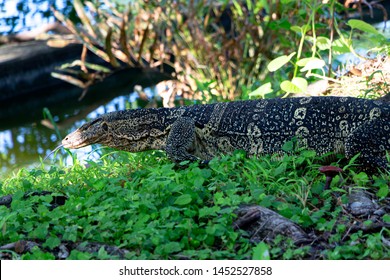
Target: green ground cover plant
141, 206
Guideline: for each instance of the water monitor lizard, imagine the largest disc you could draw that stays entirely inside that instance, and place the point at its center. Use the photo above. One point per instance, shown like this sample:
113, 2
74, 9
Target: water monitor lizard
325, 124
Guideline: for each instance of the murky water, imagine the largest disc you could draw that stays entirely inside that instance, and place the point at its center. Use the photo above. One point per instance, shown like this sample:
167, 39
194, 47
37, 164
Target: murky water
26, 146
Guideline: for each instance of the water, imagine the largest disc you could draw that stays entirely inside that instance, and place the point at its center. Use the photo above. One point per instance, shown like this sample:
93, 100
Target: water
25, 146
22, 15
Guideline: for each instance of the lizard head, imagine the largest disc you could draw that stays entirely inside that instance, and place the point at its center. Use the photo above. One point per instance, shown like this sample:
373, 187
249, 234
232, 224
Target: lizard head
96, 131
130, 130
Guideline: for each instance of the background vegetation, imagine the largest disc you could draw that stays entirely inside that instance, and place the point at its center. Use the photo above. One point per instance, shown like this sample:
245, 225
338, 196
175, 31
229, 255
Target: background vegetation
224, 50
140, 206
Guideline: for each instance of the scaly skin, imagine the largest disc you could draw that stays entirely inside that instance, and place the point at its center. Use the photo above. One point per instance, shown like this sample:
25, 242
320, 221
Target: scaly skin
325, 124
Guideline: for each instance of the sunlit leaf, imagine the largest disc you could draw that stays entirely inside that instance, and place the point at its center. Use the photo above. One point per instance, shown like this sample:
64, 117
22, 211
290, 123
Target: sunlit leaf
279, 62
300, 82
300, 29
238, 8
297, 85
296, 29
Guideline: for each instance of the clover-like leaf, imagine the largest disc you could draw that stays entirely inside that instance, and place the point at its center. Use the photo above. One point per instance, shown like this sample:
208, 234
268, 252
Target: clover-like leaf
184, 199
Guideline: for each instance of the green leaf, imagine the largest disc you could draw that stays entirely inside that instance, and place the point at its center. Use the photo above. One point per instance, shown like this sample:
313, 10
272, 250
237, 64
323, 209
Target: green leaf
262, 90
37, 254
279, 62
367, 223
208, 211
279, 24
296, 29
198, 182
171, 247
70, 233
40, 232
300, 29
52, 242
102, 254
309, 153
361, 178
184, 199
363, 26
386, 218
261, 252
300, 82
383, 191
288, 86
288, 146
297, 85
215, 229
77, 255
238, 8
280, 169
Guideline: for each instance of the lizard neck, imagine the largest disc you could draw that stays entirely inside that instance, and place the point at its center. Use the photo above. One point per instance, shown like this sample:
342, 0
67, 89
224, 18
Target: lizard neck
140, 130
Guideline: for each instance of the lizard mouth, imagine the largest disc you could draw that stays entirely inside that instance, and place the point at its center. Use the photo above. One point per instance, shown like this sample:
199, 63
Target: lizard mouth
74, 140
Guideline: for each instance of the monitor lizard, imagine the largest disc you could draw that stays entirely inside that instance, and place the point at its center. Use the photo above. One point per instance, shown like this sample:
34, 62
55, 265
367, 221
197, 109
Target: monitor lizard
343, 125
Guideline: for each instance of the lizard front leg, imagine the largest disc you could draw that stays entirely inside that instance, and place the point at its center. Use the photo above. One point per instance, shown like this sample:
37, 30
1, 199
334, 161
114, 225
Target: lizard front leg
181, 140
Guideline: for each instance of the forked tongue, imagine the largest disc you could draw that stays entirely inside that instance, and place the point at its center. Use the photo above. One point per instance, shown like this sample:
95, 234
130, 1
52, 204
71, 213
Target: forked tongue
53, 151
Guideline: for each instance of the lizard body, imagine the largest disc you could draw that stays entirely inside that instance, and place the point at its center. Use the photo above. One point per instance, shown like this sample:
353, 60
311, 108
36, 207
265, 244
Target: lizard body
325, 124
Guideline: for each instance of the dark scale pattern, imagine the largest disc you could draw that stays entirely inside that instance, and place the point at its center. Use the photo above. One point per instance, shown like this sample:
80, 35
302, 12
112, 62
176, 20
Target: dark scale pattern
324, 124
318, 122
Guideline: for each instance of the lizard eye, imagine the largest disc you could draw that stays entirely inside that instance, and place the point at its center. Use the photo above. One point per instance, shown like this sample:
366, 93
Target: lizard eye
105, 126
95, 121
